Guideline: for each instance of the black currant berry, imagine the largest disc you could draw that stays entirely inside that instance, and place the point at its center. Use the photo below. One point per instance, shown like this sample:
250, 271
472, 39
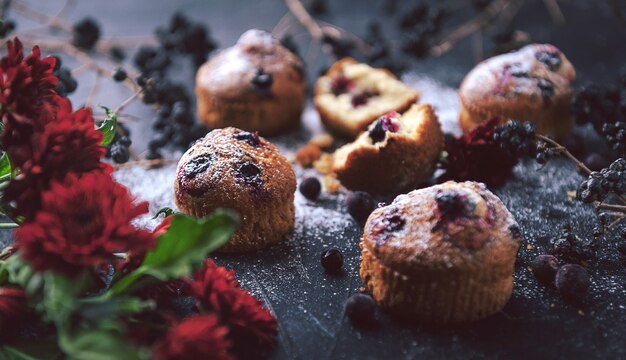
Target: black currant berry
310, 188
332, 260
544, 267
572, 281
361, 310
360, 205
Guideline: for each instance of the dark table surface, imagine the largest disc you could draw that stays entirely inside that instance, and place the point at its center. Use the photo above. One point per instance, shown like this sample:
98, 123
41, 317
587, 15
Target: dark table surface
536, 323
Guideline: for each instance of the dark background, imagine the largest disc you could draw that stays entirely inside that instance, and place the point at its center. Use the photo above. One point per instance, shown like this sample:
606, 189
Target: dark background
308, 303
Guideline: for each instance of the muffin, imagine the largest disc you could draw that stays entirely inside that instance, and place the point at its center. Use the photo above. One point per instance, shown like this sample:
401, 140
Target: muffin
531, 84
256, 85
352, 95
397, 153
235, 169
441, 255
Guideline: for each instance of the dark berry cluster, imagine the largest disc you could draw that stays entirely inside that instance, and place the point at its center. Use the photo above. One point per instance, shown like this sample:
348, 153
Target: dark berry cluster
571, 248
6, 27
420, 27
517, 138
601, 183
85, 33
186, 37
175, 124
67, 83
605, 109
381, 53
118, 149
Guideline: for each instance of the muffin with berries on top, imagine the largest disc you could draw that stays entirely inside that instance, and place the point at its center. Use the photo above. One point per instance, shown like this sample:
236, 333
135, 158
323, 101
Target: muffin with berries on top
235, 169
256, 85
531, 84
397, 153
441, 255
351, 95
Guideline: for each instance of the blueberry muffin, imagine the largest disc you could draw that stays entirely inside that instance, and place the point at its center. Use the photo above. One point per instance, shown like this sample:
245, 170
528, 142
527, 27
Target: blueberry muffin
256, 85
531, 84
441, 255
350, 96
235, 169
397, 153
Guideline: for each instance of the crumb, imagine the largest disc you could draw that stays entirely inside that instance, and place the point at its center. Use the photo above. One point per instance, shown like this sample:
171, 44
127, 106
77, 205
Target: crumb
323, 141
308, 154
362, 289
331, 184
324, 165
580, 312
571, 195
291, 157
552, 306
529, 247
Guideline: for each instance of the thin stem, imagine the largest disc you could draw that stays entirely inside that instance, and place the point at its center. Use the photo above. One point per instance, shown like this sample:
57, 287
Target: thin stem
299, 11
617, 221
496, 8
612, 207
565, 152
127, 102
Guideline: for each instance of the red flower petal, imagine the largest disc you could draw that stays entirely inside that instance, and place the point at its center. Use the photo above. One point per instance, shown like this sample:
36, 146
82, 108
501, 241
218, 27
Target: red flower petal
81, 223
216, 290
197, 337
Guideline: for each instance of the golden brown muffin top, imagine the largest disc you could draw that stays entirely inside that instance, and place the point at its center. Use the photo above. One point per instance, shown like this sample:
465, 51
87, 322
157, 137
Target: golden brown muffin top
235, 162
452, 227
529, 78
256, 66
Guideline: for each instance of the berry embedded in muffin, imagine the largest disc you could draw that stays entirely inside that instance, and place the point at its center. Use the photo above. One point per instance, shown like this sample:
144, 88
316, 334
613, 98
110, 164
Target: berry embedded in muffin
396, 153
256, 85
351, 95
531, 84
239, 170
441, 255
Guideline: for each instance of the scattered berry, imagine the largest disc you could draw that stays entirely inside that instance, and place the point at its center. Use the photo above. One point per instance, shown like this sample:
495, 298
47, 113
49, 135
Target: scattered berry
67, 83
310, 188
332, 260
119, 75
85, 33
119, 153
361, 310
360, 205
544, 267
572, 281
117, 54
6, 27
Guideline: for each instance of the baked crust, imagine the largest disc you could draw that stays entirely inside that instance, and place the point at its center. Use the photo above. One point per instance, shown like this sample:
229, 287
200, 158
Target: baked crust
519, 86
446, 273
401, 161
221, 171
337, 112
227, 95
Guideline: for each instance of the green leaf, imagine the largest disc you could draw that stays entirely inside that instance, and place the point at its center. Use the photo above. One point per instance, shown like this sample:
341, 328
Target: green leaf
108, 126
181, 250
96, 309
165, 211
60, 297
106, 343
11, 353
15, 271
6, 171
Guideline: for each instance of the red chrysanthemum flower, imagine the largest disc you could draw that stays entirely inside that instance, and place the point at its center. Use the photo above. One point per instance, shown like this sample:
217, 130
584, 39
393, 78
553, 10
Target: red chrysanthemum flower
477, 157
13, 311
216, 289
70, 144
82, 221
26, 84
197, 337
